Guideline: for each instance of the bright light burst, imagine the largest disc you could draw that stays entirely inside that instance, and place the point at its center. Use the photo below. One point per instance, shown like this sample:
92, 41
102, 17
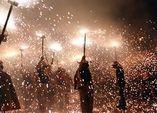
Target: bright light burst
76, 58
11, 53
40, 34
24, 46
27, 3
56, 46
154, 104
115, 43
84, 30
80, 41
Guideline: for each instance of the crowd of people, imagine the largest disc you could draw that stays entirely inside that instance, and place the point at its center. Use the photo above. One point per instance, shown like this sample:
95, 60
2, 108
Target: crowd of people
102, 91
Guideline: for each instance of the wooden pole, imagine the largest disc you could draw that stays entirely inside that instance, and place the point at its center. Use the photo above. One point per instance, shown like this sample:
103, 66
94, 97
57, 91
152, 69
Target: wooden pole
84, 48
42, 48
6, 22
21, 50
2, 36
115, 53
53, 58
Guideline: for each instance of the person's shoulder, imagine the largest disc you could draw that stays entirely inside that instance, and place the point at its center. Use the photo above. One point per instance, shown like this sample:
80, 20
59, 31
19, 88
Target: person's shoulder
3, 73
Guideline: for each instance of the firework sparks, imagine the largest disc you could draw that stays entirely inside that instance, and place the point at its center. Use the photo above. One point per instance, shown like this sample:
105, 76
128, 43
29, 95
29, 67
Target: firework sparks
24, 46
115, 43
56, 47
59, 23
27, 3
80, 41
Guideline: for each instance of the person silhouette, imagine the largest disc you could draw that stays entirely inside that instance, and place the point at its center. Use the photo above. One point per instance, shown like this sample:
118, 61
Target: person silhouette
83, 83
8, 97
121, 85
41, 71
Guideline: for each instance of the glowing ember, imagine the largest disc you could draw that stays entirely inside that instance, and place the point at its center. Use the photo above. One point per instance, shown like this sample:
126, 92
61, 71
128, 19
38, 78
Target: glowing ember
24, 46
84, 30
80, 41
115, 43
27, 3
56, 46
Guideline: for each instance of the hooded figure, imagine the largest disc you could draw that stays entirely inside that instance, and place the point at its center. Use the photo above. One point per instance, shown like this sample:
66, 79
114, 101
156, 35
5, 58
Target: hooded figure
63, 87
8, 97
42, 84
42, 71
121, 85
83, 83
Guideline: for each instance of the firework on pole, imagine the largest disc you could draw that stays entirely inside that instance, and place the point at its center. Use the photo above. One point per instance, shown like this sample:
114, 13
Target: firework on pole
42, 65
3, 36
83, 83
9, 99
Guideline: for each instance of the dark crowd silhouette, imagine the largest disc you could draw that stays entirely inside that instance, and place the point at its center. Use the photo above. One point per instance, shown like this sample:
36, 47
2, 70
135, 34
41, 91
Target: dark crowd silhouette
98, 88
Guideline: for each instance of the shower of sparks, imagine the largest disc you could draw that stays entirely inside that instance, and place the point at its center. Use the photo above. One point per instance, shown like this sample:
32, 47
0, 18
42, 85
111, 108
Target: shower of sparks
39, 34
24, 3
12, 53
56, 47
84, 31
59, 22
27, 3
115, 43
24, 46
80, 41
76, 58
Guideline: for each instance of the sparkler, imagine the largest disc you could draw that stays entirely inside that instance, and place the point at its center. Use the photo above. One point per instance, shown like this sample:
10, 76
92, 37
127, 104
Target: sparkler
115, 45
42, 36
3, 36
22, 48
80, 41
55, 47
27, 3
76, 58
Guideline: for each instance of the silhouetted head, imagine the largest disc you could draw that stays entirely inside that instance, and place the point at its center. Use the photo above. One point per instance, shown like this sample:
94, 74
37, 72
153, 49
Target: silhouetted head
42, 58
61, 70
116, 64
85, 65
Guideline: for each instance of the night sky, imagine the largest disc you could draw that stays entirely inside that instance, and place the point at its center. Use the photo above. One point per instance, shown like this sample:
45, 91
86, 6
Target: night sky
137, 18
